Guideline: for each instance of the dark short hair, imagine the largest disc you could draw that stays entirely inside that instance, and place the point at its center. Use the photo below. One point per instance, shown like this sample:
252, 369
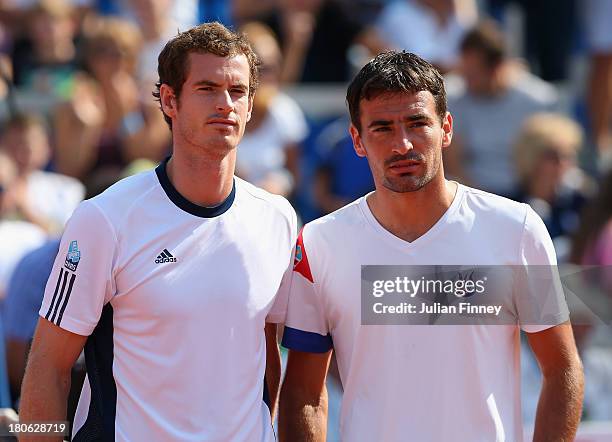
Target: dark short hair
487, 40
212, 38
394, 72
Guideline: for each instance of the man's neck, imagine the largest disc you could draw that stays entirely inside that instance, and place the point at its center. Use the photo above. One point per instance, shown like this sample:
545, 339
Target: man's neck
410, 215
204, 180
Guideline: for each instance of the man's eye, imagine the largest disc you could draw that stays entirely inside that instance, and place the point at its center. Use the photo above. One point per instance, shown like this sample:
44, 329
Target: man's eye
382, 129
205, 88
418, 124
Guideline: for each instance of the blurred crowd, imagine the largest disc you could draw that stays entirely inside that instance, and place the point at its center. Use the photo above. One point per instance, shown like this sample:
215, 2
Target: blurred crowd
529, 84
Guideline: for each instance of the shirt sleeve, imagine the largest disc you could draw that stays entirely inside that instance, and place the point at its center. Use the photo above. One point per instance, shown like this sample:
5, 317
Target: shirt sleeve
278, 312
81, 281
306, 327
539, 297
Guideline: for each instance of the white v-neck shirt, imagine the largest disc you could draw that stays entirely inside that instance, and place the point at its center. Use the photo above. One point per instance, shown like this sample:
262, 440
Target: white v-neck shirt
425, 383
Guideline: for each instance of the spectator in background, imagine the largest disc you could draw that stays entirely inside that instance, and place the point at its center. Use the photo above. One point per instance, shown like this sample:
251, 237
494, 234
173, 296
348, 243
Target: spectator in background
45, 60
493, 98
156, 27
17, 237
340, 176
549, 180
269, 151
593, 241
160, 20
24, 295
185, 13
43, 198
592, 246
598, 16
7, 414
112, 120
432, 29
243, 11
315, 37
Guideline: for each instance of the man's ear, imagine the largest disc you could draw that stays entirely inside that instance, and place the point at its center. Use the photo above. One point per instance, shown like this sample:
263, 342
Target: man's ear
168, 100
357, 143
447, 128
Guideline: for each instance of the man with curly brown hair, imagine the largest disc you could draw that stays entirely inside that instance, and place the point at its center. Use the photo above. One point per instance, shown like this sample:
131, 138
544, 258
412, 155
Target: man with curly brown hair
169, 278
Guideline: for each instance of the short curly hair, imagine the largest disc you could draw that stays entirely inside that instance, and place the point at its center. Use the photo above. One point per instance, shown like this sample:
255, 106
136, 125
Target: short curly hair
212, 38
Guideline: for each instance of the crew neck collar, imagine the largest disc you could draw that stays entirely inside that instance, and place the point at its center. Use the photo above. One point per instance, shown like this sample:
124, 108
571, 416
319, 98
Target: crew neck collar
184, 204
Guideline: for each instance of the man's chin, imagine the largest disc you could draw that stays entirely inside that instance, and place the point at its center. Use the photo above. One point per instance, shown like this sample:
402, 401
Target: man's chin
405, 184
220, 143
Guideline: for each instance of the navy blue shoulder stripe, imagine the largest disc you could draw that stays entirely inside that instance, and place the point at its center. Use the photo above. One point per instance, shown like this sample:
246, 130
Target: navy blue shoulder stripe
59, 278
310, 342
68, 292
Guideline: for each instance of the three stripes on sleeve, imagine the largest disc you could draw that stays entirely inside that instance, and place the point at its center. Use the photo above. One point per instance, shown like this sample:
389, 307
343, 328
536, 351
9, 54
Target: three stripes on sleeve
60, 296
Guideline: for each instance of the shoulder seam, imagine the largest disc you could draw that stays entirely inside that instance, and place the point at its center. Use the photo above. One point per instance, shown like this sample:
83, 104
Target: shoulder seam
114, 233
110, 224
267, 200
137, 200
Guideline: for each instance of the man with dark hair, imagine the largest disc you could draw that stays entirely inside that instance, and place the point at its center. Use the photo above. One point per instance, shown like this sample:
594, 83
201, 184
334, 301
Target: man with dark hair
44, 198
419, 382
169, 278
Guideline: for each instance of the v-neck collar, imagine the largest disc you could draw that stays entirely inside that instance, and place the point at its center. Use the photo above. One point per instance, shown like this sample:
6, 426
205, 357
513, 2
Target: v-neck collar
396, 241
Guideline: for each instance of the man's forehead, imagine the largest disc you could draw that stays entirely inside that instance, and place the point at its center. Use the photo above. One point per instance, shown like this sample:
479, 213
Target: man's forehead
409, 102
205, 63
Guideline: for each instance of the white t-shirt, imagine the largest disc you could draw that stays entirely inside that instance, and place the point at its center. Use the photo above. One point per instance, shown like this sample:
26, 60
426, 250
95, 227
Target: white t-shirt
174, 298
262, 151
416, 382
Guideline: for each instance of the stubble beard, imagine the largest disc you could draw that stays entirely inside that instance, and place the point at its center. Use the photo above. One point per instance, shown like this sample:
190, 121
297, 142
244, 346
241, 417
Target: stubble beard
409, 182
214, 144
218, 145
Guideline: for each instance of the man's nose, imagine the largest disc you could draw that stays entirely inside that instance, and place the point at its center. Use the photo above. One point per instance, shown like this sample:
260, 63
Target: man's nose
224, 101
402, 144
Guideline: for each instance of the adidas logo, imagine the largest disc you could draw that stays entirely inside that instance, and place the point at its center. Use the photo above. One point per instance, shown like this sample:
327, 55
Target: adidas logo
165, 256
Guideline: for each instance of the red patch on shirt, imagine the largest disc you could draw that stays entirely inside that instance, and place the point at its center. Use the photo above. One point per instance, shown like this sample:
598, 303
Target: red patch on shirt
300, 262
